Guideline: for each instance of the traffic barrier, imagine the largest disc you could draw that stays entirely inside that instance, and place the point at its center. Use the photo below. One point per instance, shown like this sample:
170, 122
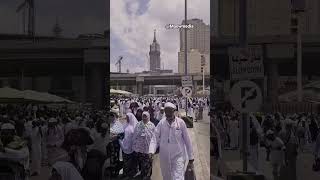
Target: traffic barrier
292, 107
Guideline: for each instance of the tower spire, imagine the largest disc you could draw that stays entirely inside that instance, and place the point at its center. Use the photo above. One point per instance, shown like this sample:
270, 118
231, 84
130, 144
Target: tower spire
154, 36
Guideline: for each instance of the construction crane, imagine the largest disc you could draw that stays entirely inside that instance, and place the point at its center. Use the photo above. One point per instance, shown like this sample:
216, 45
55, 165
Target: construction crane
119, 63
31, 17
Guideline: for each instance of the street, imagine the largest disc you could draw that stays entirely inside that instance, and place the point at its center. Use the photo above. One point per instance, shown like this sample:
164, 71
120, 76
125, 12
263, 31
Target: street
231, 163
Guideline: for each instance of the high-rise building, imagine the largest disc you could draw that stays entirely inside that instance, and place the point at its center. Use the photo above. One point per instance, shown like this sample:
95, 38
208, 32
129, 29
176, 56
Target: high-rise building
198, 44
154, 54
198, 37
272, 17
194, 62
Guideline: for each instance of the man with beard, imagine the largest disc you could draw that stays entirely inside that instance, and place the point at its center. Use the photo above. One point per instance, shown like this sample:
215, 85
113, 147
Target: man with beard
12, 147
175, 145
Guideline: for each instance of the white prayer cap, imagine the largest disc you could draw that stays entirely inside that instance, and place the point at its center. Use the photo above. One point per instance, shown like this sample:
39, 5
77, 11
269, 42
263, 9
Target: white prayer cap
52, 120
112, 101
104, 125
7, 126
162, 108
170, 105
269, 132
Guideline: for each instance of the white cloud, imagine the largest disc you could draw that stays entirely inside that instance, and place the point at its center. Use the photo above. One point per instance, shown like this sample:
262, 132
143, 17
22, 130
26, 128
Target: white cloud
135, 32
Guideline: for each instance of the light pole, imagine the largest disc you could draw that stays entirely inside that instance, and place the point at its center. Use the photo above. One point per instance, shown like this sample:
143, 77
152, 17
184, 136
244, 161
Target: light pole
243, 44
185, 50
297, 8
203, 63
299, 59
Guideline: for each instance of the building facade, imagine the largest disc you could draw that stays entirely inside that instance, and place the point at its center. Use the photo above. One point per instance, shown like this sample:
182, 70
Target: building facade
198, 44
194, 62
198, 37
154, 54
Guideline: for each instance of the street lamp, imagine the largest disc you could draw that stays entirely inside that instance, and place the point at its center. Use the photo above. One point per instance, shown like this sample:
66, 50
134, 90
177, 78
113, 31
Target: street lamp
185, 50
203, 63
298, 6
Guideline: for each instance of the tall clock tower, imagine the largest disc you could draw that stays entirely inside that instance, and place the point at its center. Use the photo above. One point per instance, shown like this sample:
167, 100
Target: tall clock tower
154, 54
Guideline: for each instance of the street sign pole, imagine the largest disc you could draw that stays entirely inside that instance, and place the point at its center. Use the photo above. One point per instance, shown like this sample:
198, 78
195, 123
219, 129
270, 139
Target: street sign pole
203, 63
243, 44
299, 59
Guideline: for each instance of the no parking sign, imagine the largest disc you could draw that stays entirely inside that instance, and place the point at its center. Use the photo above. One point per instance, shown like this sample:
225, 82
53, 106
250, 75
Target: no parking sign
186, 91
246, 96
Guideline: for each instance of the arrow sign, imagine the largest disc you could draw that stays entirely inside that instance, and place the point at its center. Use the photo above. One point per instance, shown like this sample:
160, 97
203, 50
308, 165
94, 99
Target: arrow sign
186, 91
246, 96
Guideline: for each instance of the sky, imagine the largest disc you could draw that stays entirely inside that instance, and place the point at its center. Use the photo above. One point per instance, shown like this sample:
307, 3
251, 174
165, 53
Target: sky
75, 16
132, 24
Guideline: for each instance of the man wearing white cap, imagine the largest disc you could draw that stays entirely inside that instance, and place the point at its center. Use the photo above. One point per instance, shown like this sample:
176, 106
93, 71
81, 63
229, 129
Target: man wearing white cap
160, 114
172, 137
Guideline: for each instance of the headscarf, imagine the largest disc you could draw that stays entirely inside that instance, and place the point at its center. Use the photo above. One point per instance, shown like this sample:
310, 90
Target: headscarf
67, 171
147, 114
126, 143
132, 122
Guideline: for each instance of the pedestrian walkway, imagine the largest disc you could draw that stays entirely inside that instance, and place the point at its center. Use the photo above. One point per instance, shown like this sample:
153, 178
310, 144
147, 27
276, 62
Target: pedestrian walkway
231, 163
200, 138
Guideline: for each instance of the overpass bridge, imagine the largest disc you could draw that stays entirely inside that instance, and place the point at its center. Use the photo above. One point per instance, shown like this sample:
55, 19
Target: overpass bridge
72, 68
140, 81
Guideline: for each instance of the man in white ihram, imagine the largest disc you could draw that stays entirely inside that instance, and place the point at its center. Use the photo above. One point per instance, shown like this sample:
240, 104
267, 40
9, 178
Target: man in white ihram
173, 139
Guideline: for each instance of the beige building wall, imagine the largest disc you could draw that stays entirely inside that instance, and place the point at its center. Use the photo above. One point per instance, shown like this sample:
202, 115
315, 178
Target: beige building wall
198, 37
194, 62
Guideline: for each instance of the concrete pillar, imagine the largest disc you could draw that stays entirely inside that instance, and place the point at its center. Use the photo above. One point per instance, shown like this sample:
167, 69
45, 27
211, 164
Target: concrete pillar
96, 85
195, 87
135, 90
34, 83
273, 82
140, 88
22, 78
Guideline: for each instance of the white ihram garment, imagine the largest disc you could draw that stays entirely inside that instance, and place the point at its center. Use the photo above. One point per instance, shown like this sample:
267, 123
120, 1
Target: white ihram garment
174, 141
36, 150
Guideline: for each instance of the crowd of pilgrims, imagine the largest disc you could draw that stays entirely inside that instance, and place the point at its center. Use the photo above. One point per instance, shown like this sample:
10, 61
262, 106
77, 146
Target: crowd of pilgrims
195, 108
143, 116
284, 137
71, 141
85, 143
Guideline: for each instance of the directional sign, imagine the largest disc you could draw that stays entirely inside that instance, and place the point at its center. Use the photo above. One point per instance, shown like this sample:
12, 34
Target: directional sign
246, 63
186, 81
186, 92
246, 96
